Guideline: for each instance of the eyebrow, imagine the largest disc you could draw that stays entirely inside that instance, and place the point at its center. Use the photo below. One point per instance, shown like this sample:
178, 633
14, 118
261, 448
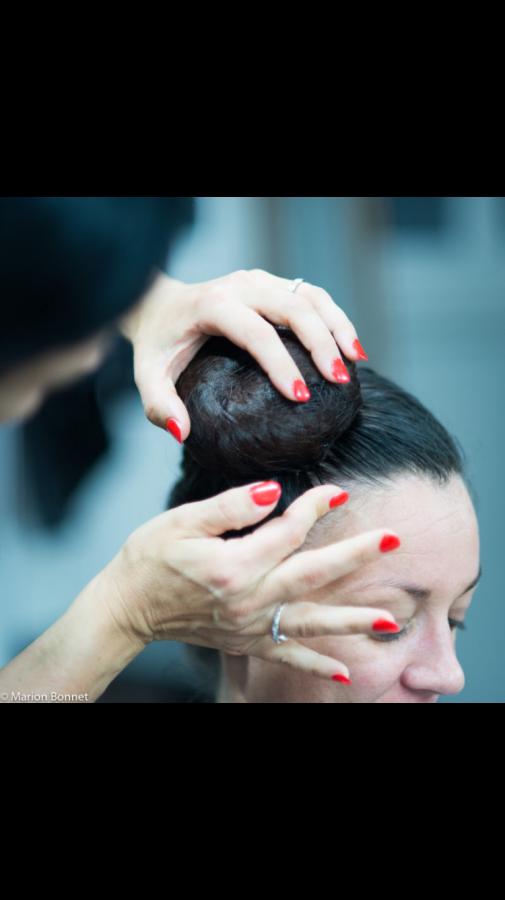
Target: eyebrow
420, 594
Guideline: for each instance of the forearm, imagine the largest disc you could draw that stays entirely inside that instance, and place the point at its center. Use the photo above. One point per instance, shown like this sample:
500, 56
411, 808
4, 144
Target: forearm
79, 655
158, 291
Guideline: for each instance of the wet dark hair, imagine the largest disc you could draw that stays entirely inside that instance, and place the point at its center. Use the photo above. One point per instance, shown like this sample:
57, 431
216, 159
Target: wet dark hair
243, 430
71, 265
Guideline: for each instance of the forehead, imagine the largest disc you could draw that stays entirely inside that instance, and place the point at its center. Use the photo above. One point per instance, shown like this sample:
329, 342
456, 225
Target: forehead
436, 524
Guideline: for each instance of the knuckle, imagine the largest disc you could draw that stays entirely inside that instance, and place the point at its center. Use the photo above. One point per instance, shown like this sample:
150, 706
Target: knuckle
307, 629
151, 413
237, 614
228, 579
242, 611
295, 537
322, 295
237, 278
311, 579
232, 615
227, 513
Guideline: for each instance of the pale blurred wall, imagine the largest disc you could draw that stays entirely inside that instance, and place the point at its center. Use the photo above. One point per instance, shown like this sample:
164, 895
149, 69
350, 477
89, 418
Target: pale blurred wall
428, 306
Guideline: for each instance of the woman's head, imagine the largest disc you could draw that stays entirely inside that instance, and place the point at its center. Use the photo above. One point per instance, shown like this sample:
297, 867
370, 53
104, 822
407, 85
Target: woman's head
69, 267
402, 470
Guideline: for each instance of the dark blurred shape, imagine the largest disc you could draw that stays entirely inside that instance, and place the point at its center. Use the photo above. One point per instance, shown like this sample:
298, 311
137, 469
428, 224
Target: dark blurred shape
70, 265
125, 689
62, 442
417, 214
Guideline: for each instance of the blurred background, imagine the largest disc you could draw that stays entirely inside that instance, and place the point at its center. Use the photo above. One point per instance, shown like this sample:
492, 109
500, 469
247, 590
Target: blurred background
423, 281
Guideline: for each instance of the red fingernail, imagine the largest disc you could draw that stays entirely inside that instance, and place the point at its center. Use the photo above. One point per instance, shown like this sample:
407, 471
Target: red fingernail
173, 427
266, 493
389, 542
340, 371
339, 499
300, 390
359, 350
385, 625
341, 678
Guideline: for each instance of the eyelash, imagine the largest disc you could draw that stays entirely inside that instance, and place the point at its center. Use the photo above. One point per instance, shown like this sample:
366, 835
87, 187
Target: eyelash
394, 637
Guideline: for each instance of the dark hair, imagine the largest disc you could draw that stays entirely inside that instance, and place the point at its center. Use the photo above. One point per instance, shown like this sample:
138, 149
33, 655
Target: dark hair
244, 430
70, 265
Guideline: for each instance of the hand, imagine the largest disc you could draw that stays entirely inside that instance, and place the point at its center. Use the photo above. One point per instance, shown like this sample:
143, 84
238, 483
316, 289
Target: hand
176, 579
174, 320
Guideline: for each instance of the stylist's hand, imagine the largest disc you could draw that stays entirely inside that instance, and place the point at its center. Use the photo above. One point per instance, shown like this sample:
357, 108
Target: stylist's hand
173, 320
176, 579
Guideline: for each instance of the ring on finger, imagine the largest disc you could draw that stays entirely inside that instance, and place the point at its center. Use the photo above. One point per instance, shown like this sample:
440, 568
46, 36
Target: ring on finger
276, 637
296, 284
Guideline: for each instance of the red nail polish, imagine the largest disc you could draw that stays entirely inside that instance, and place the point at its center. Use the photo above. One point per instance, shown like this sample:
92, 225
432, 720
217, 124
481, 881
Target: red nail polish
300, 390
341, 678
359, 350
339, 499
266, 493
340, 371
173, 427
385, 625
389, 542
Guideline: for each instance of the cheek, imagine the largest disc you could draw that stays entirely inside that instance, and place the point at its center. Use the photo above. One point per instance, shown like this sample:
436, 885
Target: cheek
374, 666
272, 683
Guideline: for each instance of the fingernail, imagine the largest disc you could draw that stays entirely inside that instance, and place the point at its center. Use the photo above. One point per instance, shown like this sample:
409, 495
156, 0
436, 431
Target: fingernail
340, 371
341, 678
385, 625
300, 390
174, 428
266, 493
389, 542
339, 499
359, 350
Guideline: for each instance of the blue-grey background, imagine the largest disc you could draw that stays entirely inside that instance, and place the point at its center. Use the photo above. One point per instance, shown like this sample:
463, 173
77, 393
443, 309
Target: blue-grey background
423, 280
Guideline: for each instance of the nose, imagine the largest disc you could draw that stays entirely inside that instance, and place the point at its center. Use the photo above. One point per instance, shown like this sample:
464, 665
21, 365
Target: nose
434, 666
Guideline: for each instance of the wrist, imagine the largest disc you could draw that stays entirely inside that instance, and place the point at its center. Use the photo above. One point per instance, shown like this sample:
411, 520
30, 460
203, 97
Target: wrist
77, 657
160, 286
93, 644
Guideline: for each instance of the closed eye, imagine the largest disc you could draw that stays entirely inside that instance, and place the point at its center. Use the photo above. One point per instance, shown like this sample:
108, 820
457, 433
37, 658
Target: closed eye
453, 623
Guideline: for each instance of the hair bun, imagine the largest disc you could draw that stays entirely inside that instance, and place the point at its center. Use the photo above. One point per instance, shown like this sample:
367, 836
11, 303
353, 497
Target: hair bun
242, 426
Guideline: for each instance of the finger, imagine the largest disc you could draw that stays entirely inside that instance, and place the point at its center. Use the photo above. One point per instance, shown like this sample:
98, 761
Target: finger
305, 321
229, 511
313, 569
280, 537
162, 404
303, 619
303, 659
247, 329
335, 318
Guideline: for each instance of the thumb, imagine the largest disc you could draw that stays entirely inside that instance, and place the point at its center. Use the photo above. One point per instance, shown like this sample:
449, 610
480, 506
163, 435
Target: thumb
231, 510
162, 405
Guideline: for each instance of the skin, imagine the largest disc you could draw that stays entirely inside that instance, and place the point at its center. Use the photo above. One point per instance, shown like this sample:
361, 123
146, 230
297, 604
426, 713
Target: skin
166, 328
439, 550
24, 389
169, 324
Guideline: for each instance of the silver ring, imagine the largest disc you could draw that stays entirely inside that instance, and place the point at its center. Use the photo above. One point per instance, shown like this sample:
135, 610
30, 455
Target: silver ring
276, 637
296, 284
